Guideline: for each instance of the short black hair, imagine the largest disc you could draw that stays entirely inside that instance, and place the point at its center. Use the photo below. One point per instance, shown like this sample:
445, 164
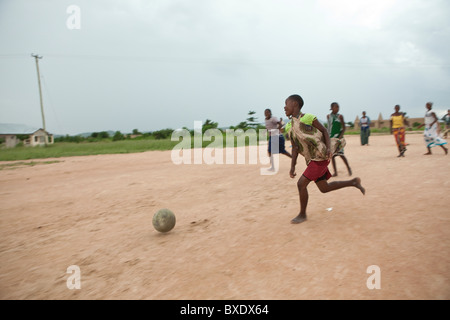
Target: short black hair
298, 99
268, 110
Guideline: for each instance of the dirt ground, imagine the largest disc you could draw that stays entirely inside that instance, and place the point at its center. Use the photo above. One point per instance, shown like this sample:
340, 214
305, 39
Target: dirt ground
233, 238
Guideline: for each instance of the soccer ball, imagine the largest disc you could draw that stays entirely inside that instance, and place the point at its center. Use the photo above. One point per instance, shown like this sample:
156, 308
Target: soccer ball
164, 220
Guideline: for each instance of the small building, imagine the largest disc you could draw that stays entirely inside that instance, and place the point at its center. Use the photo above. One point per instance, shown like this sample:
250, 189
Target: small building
13, 135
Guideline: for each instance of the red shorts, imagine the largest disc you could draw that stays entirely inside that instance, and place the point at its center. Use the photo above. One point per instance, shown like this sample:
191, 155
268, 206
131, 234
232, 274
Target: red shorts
317, 170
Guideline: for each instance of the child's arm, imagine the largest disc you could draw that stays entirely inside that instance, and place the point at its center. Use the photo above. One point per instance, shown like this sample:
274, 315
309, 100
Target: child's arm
292, 173
279, 124
321, 128
342, 126
406, 122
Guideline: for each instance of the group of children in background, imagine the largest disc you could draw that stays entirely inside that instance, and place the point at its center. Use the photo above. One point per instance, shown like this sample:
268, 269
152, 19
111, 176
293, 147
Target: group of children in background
320, 145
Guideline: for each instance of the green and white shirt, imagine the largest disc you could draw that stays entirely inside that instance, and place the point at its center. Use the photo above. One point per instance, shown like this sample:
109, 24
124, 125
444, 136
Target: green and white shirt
309, 140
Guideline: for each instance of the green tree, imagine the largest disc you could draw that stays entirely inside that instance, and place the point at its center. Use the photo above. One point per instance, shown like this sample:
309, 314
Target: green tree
103, 135
209, 124
242, 125
252, 120
162, 134
118, 136
23, 137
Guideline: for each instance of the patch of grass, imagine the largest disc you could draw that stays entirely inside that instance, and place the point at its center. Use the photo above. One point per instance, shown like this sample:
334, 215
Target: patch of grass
107, 146
142, 144
69, 149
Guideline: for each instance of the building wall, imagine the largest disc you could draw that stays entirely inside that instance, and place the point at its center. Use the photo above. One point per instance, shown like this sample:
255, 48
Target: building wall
38, 138
11, 140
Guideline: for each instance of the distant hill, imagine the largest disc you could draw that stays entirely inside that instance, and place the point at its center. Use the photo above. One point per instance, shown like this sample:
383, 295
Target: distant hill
88, 134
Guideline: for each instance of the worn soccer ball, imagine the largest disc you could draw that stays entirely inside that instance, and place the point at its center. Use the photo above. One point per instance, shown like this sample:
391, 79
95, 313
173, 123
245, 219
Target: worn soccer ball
164, 220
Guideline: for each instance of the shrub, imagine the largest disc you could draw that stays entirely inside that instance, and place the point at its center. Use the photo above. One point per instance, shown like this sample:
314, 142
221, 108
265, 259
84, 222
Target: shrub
118, 136
162, 134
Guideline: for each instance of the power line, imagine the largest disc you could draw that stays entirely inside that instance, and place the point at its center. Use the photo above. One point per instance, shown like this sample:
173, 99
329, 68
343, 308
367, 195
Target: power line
12, 55
248, 61
240, 61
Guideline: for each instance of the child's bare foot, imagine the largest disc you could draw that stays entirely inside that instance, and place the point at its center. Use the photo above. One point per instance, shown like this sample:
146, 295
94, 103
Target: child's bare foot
299, 219
357, 184
334, 175
426, 154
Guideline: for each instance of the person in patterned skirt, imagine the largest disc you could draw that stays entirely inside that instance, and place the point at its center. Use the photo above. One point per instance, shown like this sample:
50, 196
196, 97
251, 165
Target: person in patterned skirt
310, 139
432, 134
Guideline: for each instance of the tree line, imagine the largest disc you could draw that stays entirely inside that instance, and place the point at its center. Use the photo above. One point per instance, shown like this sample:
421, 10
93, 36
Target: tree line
250, 123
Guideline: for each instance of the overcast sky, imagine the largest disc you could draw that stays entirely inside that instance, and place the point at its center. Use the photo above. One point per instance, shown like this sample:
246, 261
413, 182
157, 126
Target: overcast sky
155, 64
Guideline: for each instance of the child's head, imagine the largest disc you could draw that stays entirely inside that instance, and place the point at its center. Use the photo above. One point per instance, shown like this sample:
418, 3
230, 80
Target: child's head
397, 108
334, 107
429, 105
268, 113
294, 104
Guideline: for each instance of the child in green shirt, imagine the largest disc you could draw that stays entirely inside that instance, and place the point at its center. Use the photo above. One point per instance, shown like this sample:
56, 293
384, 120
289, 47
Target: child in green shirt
310, 138
336, 129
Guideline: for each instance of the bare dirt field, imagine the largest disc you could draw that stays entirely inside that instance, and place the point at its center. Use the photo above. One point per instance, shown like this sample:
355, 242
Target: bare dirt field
233, 238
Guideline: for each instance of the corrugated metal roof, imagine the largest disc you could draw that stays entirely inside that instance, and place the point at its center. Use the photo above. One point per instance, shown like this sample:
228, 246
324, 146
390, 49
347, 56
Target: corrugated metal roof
12, 128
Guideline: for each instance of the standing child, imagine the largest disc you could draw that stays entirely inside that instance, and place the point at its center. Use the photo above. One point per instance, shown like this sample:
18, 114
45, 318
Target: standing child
364, 123
273, 126
310, 138
336, 129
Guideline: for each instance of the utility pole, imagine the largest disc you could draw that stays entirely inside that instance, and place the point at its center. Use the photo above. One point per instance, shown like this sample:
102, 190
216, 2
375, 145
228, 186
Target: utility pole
37, 57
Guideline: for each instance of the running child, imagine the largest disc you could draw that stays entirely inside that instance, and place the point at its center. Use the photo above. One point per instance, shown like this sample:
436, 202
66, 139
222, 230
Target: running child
273, 126
336, 129
310, 138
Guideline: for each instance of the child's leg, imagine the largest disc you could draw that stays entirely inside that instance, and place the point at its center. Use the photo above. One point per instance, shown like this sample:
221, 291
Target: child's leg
346, 163
333, 160
272, 168
302, 185
325, 187
283, 150
269, 151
